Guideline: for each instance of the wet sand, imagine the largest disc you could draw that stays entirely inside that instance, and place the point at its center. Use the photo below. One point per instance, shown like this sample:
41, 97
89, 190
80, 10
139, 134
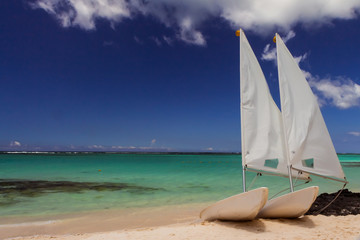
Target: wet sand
99, 221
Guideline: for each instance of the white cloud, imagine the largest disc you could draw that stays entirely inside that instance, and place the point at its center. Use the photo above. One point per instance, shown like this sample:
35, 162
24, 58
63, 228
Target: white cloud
168, 40
301, 58
139, 148
264, 15
209, 149
15, 144
291, 34
356, 134
188, 16
84, 13
340, 92
157, 41
189, 35
125, 147
117, 147
48, 6
96, 146
269, 53
151, 147
138, 40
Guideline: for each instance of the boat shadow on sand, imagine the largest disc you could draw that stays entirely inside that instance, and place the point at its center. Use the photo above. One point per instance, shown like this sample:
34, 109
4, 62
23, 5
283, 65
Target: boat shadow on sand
347, 203
259, 225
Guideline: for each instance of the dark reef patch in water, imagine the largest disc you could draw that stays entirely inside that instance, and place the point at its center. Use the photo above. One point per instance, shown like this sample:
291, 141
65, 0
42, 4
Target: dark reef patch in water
12, 190
348, 203
194, 186
350, 164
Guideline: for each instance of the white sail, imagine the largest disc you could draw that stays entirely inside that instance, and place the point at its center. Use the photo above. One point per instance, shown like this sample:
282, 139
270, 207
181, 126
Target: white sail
261, 122
309, 143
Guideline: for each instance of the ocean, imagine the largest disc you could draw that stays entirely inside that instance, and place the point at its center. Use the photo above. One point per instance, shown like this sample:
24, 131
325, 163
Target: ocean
50, 184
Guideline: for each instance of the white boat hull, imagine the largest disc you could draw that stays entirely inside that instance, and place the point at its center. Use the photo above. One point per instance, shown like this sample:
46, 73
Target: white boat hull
291, 205
240, 207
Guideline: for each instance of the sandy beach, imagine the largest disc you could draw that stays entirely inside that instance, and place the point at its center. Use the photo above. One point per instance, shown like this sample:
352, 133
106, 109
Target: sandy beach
178, 222
309, 227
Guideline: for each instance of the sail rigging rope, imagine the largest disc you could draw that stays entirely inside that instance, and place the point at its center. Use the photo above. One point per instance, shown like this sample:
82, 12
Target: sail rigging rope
253, 181
318, 212
296, 179
287, 189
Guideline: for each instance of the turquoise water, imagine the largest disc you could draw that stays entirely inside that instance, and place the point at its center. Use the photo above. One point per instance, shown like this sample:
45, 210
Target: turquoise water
132, 180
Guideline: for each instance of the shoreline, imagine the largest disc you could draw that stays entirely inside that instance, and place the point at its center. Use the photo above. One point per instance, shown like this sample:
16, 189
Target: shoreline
307, 227
129, 152
98, 220
154, 222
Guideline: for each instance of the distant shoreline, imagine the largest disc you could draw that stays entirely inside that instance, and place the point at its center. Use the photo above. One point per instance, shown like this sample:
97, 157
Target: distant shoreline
125, 152
128, 152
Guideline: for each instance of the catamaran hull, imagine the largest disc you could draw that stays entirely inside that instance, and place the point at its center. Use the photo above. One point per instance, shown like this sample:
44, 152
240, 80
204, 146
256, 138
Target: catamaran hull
291, 205
240, 207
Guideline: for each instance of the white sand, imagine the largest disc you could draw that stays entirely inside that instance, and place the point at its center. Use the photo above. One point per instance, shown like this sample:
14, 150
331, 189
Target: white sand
175, 222
98, 221
309, 227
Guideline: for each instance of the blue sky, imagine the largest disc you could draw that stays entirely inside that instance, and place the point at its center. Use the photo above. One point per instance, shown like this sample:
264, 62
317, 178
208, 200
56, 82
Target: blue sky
134, 75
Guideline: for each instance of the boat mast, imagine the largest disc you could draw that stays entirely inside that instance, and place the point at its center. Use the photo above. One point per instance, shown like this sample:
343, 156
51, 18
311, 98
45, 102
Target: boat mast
284, 130
242, 124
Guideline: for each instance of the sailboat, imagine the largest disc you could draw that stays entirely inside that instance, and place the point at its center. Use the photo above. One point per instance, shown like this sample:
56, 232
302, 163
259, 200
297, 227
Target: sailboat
277, 143
263, 138
254, 115
309, 148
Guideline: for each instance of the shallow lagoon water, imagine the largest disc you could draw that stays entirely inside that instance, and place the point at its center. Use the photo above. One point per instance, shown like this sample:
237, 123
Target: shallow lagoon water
48, 184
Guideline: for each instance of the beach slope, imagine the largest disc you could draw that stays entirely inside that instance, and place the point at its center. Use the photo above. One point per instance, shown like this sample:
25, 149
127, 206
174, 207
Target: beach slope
307, 227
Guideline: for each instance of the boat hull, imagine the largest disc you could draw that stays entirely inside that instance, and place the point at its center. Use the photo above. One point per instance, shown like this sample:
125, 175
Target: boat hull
240, 207
291, 205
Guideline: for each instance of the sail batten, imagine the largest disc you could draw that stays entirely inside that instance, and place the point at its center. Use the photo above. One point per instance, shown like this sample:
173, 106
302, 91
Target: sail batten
297, 174
310, 148
343, 180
